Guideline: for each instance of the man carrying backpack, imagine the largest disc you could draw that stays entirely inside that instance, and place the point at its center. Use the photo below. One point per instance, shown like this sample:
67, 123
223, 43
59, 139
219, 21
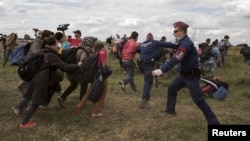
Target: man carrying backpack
224, 45
42, 83
209, 64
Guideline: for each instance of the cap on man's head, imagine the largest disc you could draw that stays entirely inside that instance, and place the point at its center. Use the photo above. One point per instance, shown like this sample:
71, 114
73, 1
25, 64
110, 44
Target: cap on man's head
181, 24
77, 31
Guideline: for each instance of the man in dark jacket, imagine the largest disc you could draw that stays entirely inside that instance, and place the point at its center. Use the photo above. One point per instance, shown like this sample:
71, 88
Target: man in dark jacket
41, 84
148, 52
186, 57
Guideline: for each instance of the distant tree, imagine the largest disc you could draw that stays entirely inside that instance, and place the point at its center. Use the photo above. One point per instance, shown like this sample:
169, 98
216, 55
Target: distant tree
26, 37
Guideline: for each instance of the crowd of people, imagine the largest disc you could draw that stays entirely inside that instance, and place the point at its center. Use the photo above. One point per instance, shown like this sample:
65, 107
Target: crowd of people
182, 53
216, 57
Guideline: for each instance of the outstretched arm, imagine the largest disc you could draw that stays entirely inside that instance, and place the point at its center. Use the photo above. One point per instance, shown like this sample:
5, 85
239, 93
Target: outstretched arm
167, 45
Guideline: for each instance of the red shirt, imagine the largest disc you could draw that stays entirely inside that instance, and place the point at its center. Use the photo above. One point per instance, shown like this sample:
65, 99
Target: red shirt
129, 50
74, 42
102, 56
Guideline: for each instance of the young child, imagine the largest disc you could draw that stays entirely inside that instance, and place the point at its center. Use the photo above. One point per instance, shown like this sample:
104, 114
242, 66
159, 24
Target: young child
96, 112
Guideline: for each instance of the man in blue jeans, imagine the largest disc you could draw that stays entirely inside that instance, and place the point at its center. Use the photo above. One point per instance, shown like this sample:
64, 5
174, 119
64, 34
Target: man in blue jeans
128, 55
186, 57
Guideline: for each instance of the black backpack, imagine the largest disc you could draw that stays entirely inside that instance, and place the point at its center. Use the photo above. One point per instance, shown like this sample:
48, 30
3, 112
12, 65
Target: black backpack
96, 88
30, 65
89, 68
206, 53
245, 51
222, 45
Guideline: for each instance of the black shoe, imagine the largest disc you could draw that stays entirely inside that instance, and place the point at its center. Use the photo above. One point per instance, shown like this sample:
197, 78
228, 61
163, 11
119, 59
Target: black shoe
167, 112
134, 89
144, 104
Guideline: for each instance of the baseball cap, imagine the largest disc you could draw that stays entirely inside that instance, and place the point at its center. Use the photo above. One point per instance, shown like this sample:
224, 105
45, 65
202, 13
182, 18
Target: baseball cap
77, 31
181, 24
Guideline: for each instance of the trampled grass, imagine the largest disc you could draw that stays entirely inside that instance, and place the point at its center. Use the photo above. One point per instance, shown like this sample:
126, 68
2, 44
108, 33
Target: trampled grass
123, 120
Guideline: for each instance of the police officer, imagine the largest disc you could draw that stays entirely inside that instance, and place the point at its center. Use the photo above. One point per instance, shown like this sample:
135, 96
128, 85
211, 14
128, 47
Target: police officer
189, 76
149, 50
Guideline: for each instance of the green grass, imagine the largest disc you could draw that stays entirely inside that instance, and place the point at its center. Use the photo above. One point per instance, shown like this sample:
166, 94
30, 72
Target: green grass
123, 120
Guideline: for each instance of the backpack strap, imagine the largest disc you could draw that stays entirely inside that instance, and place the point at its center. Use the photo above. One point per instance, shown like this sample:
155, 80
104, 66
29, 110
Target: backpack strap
209, 82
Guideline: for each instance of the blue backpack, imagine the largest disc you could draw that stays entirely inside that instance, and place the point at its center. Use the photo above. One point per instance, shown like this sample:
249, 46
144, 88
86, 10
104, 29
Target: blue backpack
218, 89
220, 93
18, 53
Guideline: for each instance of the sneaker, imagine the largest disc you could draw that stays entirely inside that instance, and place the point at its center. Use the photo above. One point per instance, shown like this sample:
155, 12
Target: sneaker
44, 107
16, 111
97, 115
27, 125
121, 82
61, 101
144, 104
59, 94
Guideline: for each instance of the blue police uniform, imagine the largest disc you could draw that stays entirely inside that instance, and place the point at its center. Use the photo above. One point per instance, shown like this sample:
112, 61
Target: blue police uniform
148, 52
186, 57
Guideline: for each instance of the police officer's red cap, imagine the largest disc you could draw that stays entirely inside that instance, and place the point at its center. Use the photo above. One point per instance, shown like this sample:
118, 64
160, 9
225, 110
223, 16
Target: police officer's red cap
181, 24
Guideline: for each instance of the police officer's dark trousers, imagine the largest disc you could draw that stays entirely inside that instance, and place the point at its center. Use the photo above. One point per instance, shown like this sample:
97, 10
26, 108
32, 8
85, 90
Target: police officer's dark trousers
192, 83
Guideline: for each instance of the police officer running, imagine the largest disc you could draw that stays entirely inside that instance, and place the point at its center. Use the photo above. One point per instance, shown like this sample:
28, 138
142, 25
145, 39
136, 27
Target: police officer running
149, 50
186, 57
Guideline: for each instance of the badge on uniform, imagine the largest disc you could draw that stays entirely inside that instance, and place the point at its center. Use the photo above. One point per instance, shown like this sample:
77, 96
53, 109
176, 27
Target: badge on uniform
179, 55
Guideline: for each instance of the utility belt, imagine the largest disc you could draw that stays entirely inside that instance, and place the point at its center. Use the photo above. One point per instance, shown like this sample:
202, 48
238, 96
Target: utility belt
193, 72
146, 61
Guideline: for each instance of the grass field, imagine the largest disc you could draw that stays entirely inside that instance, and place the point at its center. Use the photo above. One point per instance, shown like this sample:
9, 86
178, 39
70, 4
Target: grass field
123, 120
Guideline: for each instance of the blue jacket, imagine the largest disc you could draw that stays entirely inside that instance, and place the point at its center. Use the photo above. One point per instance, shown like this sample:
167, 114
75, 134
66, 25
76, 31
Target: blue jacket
186, 57
149, 48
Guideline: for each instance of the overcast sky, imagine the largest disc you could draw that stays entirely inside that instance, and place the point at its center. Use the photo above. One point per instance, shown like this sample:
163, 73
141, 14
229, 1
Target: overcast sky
102, 18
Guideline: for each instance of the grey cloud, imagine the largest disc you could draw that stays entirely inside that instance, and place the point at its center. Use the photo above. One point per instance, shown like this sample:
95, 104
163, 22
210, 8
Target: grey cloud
103, 18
